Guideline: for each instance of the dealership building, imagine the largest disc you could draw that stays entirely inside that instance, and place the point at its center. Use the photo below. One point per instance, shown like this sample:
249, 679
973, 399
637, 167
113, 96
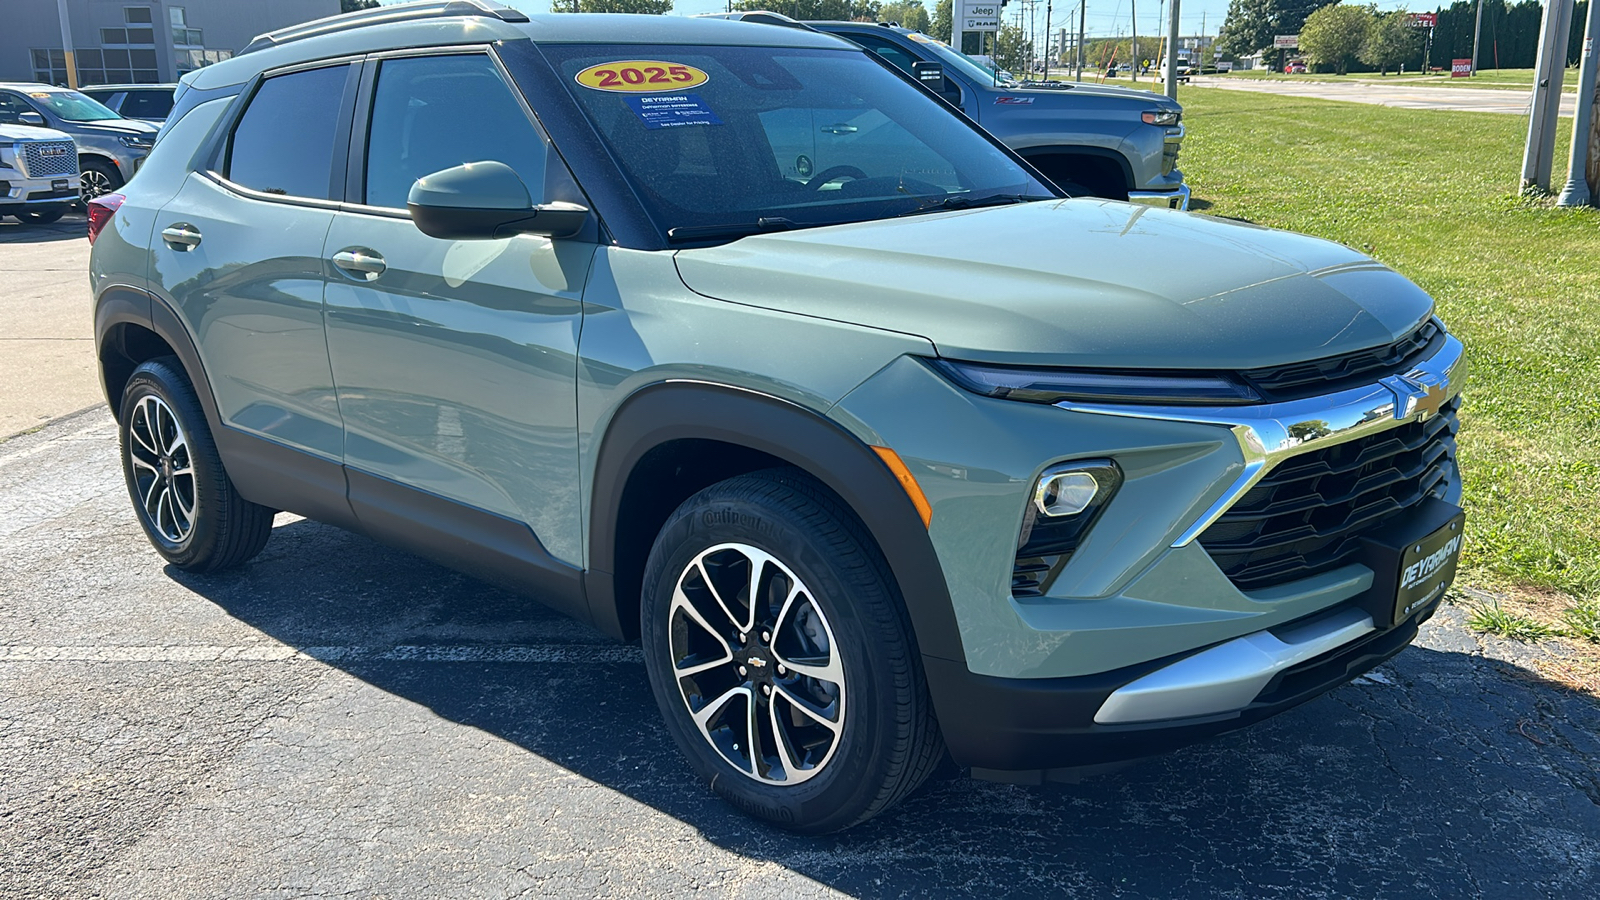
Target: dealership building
129, 41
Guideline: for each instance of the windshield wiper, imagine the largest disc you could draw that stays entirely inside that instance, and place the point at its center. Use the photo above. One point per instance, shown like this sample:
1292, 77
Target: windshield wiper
686, 233
973, 203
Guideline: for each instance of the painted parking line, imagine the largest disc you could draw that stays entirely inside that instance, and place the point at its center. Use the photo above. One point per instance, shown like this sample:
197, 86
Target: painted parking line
521, 653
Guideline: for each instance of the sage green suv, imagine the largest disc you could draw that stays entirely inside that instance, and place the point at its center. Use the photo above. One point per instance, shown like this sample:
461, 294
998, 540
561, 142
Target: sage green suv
734, 341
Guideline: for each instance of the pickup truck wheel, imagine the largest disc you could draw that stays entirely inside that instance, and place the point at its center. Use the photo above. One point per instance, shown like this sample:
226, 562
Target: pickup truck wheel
181, 493
96, 178
779, 652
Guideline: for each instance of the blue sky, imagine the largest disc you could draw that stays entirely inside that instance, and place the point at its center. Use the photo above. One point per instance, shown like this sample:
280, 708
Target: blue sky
1105, 17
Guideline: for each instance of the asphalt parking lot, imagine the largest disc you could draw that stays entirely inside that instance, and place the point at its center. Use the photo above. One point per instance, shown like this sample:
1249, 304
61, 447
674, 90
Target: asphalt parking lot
340, 718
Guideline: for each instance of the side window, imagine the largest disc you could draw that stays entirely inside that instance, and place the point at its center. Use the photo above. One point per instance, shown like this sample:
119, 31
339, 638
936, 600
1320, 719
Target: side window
436, 112
284, 142
147, 104
892, 52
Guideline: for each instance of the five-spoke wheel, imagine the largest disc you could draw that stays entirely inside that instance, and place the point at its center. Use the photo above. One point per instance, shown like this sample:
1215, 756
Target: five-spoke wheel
163, 470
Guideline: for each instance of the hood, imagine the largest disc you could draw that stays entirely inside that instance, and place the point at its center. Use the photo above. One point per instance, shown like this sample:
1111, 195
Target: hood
1081, 89
1075, 282
120, 126
31, 133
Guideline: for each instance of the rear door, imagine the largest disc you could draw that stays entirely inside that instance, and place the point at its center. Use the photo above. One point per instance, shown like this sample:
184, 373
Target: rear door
238, 250
456, 361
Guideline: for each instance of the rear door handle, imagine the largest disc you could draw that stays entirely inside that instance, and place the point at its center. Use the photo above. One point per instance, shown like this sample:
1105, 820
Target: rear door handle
360, 263
181, 236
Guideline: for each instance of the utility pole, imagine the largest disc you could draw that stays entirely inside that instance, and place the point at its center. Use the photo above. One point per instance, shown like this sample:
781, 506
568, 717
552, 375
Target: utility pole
1540, 151
1048, 7
1172, 52
1133, 15
66, 45
1083, 52
1477, 29
1577, 193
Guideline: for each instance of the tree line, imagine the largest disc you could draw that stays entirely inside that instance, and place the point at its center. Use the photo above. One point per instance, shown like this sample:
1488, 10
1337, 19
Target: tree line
1510, 37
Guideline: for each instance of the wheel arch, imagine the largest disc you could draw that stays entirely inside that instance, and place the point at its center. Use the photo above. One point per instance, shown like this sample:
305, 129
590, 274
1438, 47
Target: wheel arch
1109, 165
131, 327
704, 433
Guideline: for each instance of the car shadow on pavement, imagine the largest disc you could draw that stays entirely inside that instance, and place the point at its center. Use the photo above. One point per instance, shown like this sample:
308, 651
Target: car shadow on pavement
72, 226
1439, 775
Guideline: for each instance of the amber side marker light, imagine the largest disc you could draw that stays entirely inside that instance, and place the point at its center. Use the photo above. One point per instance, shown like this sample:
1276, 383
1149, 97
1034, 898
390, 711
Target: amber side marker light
907, 483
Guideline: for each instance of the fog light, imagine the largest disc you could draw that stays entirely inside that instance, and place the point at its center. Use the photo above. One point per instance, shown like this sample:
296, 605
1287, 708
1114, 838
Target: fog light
1065, 493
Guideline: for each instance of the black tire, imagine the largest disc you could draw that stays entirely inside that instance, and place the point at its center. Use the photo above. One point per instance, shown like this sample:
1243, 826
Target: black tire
44, 217
96, 177
885, 741
223, 529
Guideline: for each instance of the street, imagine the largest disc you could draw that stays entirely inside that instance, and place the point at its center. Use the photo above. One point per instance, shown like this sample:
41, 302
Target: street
1398, 95
337, 717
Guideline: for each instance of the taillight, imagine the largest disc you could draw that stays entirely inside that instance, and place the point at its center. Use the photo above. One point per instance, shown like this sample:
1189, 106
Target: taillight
101, 209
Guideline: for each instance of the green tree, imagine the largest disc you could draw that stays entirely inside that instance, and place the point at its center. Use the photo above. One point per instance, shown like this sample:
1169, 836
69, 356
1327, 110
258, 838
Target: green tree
647, 7
1390, 41
1011, 50
356, 5
910, 13
1333, 35
943, 18
813, 10
1252, 24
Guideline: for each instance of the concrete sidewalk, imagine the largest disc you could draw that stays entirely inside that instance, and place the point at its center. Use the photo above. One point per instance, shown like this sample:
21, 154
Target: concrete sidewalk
1398, 95
46, 327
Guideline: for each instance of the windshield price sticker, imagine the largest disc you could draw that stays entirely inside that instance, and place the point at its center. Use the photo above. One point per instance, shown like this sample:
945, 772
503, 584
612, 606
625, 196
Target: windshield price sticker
641, 76
672, 111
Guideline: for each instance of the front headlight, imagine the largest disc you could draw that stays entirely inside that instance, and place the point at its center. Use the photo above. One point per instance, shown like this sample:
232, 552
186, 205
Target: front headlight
1163, 117
1097, 385
135, 141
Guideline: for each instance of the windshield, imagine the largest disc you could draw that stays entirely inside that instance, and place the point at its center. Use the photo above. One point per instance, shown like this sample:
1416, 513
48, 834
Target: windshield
764, 137
73, 106
961, 61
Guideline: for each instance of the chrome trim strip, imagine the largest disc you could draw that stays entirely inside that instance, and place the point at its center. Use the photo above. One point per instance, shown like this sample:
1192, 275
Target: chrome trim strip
1270, 433
1229, 676
1178, 199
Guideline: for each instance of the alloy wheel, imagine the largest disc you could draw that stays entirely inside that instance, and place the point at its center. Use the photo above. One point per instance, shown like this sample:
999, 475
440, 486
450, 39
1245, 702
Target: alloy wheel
756, 664
93, 183
163, 468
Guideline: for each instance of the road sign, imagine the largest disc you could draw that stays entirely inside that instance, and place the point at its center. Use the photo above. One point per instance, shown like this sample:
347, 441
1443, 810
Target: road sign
980, 15
1422, 20
1460, 68
1286, 42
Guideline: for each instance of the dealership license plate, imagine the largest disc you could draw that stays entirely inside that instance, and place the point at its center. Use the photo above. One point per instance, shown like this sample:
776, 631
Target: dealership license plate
1427, 567
60, 184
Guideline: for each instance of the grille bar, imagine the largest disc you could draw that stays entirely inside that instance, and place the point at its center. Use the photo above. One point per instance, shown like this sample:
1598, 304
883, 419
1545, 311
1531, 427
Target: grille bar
45, 159
1302, 379
1308, 515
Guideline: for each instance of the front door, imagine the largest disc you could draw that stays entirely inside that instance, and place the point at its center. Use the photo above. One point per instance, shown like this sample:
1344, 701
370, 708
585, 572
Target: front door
455, 361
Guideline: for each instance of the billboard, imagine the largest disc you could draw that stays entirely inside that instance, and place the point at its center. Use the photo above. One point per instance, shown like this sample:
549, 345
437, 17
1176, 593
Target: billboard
1286, 42
1422, 20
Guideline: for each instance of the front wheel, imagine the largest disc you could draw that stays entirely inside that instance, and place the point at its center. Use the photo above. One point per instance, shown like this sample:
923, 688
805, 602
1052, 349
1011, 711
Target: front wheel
181, 493
780, 654
96, 178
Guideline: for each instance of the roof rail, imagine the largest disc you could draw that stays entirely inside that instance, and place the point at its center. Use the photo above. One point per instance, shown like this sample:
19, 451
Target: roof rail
404, 12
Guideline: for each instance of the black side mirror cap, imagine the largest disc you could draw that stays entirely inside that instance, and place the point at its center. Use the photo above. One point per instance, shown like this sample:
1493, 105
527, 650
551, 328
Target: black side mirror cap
484, 201
931, 76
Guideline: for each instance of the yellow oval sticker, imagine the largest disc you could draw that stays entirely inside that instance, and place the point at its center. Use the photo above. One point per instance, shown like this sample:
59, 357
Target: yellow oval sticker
641, 76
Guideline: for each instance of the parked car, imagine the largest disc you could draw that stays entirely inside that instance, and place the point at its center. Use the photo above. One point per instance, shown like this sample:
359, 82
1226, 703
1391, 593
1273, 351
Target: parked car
109, 146
145, 102
1295, 68
38, 173
738, 342
1095, 140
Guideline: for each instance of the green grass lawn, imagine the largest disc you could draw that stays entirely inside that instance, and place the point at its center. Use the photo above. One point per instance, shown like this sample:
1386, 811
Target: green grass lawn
1433, 194
1486, 79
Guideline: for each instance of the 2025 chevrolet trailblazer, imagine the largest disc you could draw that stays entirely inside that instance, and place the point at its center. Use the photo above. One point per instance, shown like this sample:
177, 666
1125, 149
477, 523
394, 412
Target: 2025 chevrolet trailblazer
733, 340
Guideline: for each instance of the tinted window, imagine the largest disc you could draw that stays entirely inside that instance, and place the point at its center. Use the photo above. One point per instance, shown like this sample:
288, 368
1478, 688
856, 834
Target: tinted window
889, 51
147, 104
436, 112
284, 143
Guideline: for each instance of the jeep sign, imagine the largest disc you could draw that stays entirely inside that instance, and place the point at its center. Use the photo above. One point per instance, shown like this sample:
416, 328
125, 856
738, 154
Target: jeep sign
980, 15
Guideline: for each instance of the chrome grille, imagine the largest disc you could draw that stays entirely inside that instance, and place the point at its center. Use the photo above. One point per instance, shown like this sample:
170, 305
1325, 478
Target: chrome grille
1308, 515
46, 159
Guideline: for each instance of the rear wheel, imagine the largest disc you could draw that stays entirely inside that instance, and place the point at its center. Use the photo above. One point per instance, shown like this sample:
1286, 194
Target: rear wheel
780, 654
181, 493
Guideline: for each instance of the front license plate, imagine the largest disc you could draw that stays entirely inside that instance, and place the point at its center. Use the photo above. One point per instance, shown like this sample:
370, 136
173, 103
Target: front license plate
60, 184
1427, 567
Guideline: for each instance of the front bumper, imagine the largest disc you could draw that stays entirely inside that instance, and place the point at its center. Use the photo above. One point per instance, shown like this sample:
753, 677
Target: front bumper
1174, 199
1028, 731
36, 193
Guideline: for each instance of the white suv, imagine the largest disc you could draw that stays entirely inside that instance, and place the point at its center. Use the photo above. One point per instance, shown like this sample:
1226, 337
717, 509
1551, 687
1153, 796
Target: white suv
38, 173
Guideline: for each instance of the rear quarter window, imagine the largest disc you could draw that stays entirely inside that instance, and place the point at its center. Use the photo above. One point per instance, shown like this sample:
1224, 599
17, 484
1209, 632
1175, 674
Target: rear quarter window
284, 143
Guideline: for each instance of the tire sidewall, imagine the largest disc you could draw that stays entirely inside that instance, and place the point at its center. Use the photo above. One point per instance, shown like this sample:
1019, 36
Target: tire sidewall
832, 798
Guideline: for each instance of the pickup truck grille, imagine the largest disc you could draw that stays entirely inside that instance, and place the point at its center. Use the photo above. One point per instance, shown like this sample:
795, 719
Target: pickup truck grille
45, 159
1332, 373
1308, 515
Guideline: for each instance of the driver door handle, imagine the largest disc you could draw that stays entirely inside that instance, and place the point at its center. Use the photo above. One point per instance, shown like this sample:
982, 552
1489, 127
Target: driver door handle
181, 236
360, 263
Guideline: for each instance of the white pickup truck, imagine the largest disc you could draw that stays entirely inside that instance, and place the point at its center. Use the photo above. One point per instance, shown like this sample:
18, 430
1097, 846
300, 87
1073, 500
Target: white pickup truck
38, 173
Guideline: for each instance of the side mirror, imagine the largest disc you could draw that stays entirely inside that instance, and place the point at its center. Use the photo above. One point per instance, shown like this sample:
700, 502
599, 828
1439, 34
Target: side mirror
31, 118
485, 200
931, 76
